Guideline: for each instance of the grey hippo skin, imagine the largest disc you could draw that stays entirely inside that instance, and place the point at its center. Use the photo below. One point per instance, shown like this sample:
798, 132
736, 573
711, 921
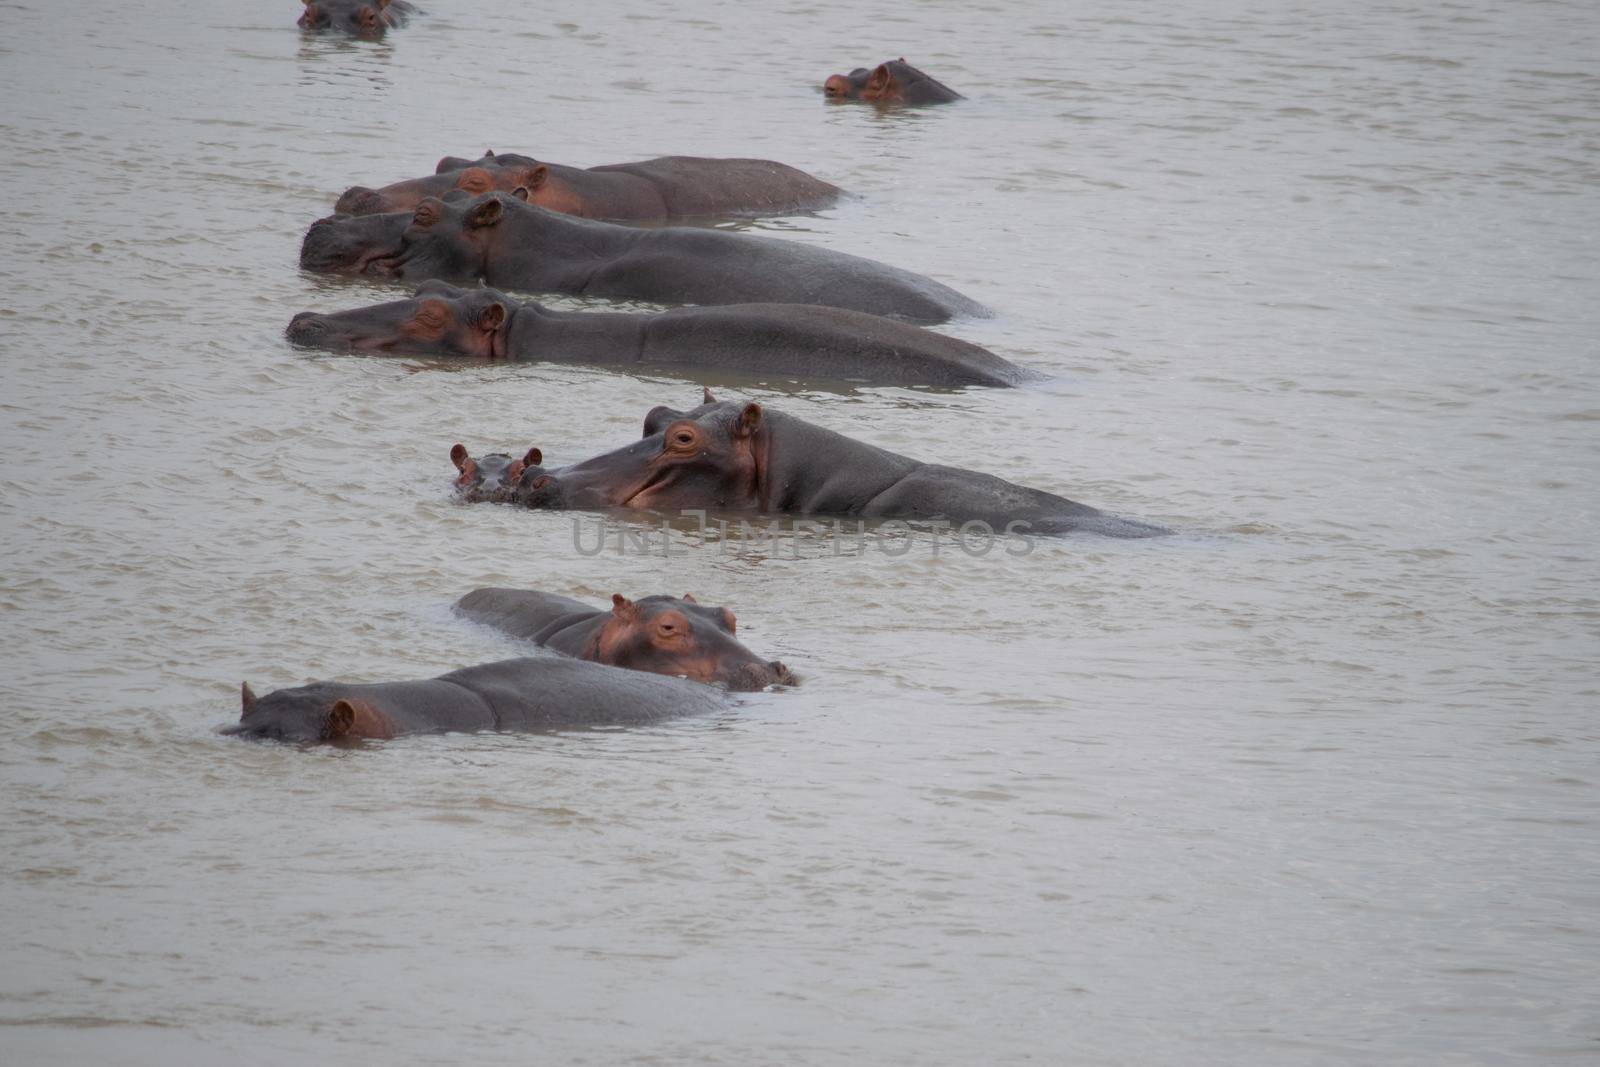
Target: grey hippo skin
729, 456
649, 189
798, 341
894, 82
675, 636
541, 693
364, 18
501, 240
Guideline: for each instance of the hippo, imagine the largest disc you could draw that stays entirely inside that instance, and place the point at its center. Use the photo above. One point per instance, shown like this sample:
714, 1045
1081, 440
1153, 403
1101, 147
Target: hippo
894, 82
661, 634
510, 244
729, 456
650, 189
366, 18
791, 340
532, 693
495, 477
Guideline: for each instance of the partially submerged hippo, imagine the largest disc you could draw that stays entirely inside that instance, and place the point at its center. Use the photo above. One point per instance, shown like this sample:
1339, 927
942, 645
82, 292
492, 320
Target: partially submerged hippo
650, 189
791, 340
894, 82
660, 634
365, 18
536, 693
503, 241
729, 456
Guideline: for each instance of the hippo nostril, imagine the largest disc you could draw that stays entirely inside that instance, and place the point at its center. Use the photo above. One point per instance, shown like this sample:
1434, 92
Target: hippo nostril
359, 200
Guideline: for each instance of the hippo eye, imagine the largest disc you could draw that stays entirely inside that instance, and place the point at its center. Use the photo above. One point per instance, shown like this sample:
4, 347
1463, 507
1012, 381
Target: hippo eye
683, 437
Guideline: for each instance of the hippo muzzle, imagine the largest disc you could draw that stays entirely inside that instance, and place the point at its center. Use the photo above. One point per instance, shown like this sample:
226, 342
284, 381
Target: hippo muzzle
754, 677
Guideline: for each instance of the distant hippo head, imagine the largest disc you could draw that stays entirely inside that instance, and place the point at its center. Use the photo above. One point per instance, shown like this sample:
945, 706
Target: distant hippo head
668, 635
894, 82
310, 713
362, 17
440, 320
496, 477
505, 173
708, 457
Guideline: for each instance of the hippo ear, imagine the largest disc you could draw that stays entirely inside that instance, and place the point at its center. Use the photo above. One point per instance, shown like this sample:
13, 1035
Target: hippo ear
458, 456
749, 421
880, 79
536, 177
341, 717
521, 193
622, 607
533, 458
659, 418
492, 317
729, 622
486, 214
689, 597
247, 700
707, 396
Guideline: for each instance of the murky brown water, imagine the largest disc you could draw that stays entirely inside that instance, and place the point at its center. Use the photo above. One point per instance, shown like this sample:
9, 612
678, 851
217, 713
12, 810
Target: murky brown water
1313, 781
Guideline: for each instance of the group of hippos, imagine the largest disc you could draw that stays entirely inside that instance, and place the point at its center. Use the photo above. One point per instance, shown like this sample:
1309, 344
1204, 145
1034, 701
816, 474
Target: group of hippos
476, 228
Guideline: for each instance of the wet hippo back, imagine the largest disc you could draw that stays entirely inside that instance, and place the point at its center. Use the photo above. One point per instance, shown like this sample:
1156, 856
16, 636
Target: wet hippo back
693, 185
574, 693
532, 693
680, 265
809, 342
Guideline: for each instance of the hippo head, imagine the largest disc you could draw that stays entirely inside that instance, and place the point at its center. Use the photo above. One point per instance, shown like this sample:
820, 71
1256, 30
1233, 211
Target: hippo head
362, 17
309, 713
347, 244
894, 82
506, 173
706, 458
448, 238
366, 244
846, 86
440, 320
498, 477
668, 635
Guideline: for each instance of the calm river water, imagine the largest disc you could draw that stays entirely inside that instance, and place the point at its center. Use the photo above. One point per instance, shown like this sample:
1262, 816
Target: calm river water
1313, 781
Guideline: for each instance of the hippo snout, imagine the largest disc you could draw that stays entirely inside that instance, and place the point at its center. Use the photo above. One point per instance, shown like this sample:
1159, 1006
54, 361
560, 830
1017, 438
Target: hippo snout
321, 248
359, 200
306, 328
837, 87
752, 677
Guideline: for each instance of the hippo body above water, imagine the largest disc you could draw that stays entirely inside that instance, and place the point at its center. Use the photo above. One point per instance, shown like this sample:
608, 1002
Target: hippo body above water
660, 634
509, 244
365, 18
668, 187
726, 456
534, 693
799, 341
894, 82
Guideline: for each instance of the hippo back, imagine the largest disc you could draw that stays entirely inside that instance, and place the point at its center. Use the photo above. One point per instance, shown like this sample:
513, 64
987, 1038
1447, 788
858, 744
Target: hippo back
692, 185
547, 693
